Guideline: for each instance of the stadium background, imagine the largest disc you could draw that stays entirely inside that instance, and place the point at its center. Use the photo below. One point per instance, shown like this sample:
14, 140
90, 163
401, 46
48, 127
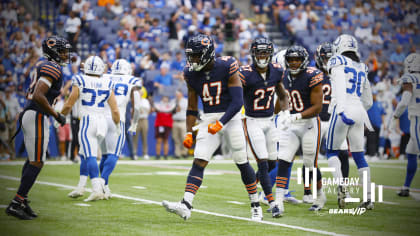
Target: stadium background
141, 32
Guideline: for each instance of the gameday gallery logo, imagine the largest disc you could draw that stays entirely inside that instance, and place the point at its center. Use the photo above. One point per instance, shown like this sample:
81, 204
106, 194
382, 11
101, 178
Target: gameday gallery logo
330, 185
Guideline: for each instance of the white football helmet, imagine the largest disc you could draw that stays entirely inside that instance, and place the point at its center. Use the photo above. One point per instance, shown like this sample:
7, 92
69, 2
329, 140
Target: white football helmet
121, 67
279, 58
412, 63
94, 66
345, 43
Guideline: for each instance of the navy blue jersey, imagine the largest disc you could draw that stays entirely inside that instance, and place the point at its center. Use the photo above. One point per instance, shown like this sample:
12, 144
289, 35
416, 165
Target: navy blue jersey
259, 93
45, 69
326, 90
212, 86
298, 89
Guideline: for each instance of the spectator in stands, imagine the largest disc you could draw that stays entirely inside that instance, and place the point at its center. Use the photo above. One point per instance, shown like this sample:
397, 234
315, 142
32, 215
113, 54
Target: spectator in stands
164, 78
13, 109
72, 28
376, 114
4, 134
179, 128
108, 14
258, 8
192, 30
230, 30
311, 16
402, 37
364, 32
117, 8
87, 15
367, 16
179, 62
107, 52
298, 23
397, 58
102, 3
328, 23
354, 17
163, 125
143, 124
260, 31
376, 38
123, 42
173, 40
344, 23
77, 6
9, 13
63, 131
64, 8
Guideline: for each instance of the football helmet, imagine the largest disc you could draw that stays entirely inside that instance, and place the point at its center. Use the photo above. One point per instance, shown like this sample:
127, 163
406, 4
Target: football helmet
297, 59
279, 58
261, 51
121, 67
322, 55
412, 63
199, 51
94, 66
345, 43
57, 49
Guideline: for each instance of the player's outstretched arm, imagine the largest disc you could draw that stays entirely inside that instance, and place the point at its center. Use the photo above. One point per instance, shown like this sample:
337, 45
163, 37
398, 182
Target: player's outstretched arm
282, 102
114, 108
41, 88
74, 95
405, 99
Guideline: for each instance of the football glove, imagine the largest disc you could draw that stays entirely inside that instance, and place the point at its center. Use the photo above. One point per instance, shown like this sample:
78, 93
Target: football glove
213, 128
118, 129
345, 119
188, 140
281, 120
132, 129
61, 119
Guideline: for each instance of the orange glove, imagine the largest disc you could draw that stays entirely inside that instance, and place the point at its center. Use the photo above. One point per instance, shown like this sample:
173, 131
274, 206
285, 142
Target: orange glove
215, 127
188, 140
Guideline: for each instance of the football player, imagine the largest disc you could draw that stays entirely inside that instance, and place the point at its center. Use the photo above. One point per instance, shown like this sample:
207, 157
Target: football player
350, 99
125, 89
217, 83
46, 83
94, 92
300, 124
411, 97
260, 81
341, 162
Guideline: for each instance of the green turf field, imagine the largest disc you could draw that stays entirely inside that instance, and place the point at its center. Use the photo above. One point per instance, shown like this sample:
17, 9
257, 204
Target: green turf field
140, 186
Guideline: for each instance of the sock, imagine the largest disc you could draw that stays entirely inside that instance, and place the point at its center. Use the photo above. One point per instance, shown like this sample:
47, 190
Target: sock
101, 164
359, 158
109, 165
265, 180
361, 170
83, 166
289, 173
194, 180
18, 198
411, 169
28, 179
343, 155
334, 162
306, 190
281, 180
25, 166
92, 167
82, 181
249, 180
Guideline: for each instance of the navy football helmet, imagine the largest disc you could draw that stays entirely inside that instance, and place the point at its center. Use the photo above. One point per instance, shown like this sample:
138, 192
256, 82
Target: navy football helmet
261, 51
297, 59
323, 53
199, 51
57, 49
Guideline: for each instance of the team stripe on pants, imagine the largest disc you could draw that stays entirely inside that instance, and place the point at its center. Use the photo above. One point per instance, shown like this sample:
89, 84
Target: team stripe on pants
318, 141
39, 136
249, 140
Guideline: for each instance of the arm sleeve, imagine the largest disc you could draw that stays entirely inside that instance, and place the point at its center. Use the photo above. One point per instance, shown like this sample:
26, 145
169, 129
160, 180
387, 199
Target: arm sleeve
337, 75
235, 105
402, 105
367, 98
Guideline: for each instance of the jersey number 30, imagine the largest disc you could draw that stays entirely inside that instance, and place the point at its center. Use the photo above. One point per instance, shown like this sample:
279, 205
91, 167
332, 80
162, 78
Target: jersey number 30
356, 80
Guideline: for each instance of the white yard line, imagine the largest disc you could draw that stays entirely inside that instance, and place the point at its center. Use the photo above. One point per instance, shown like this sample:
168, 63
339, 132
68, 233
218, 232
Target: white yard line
195, 210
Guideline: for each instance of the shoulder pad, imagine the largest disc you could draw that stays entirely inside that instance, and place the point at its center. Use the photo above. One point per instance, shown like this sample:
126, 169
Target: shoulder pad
336, 60
77, 80
51, 70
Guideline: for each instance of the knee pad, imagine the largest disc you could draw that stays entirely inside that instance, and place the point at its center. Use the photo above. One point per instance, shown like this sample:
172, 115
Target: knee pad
239, 157
308, 163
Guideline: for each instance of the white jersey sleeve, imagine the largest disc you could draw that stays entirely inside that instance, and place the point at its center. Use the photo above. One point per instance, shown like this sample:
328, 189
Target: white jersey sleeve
414, 103
336, 69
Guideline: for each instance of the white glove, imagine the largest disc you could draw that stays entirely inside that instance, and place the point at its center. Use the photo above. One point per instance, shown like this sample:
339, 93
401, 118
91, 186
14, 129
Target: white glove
132, 129
282, 120
118, 129
295, 117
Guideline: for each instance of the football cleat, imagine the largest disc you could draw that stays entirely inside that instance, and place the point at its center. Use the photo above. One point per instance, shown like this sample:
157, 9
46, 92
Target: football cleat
341, 196
256, 213
288, 197
17, 210
368, 205
308, 199
275, 212
78, 192
319, 202
262, 198
178, 208
107, 192
94, 196
404, 193
28, 209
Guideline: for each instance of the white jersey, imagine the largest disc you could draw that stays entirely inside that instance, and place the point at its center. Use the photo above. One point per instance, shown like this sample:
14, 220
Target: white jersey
414, 104
93, 94
122, 85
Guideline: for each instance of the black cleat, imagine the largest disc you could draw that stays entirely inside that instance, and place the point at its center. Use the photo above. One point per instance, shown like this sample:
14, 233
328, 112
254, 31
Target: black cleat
29, 210
368, 205
404, 193
17, 210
